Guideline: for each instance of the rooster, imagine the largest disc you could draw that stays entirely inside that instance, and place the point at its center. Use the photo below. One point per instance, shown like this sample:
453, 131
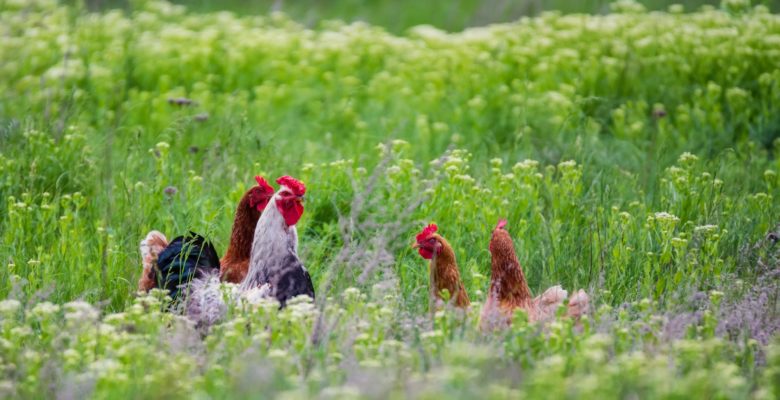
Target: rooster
275, 270
509, 289
443, 268
168, 265
274, 257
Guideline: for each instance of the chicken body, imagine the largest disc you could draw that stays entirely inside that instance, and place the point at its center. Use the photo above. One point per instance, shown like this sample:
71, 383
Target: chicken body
445, 274
509, 289
275, 260
235, 264
172, 265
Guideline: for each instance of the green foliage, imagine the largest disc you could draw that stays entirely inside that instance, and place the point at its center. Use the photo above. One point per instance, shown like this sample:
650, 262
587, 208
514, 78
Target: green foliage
633, 154
373, 350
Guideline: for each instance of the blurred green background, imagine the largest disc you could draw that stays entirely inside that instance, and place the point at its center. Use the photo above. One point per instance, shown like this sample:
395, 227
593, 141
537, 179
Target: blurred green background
398, 15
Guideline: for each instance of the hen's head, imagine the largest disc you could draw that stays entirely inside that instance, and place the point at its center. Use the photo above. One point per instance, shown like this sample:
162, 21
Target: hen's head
428, 243
260, 195
289, 199
500, 237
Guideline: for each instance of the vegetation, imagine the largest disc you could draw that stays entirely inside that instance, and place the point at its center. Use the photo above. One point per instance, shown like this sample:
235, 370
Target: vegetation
633, 153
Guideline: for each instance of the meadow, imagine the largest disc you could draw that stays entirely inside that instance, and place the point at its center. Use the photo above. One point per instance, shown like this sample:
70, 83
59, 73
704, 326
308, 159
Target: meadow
633, 153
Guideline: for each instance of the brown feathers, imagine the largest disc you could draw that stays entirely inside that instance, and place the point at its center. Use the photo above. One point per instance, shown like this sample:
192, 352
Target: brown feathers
235, 264
509, 289
445, 274
154, 243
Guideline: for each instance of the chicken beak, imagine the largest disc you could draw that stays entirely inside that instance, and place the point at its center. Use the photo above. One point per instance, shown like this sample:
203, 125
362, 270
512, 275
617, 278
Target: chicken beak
415, 245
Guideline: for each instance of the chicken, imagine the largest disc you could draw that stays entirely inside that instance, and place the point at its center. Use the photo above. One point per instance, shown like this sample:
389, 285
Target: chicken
235, 264
274, 257
275, 270
443, 267
232, 267
509, 289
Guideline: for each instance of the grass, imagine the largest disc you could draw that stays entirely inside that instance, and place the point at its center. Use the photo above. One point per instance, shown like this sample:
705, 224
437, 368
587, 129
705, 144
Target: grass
633, 153
397, 16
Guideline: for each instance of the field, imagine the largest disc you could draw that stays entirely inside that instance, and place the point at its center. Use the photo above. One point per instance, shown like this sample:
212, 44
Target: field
634, 154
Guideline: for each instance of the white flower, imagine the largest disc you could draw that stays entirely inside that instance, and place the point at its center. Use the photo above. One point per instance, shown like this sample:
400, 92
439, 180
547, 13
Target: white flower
278, 354
45, 309
706, 228
687, 157
464, 178
665, 216
9, 306
351, 294
569, 164
21, 331
80, 312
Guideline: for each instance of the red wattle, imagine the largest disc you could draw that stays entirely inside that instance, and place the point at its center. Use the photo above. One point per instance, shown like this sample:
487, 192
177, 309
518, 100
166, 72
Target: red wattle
425, 253
291, 211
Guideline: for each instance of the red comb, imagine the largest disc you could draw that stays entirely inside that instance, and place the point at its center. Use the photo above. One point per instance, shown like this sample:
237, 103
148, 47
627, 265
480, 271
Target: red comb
501, 224
264, 184
426, 232
295, 185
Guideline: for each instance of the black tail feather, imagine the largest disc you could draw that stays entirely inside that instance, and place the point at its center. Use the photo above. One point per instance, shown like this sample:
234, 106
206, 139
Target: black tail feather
185, 258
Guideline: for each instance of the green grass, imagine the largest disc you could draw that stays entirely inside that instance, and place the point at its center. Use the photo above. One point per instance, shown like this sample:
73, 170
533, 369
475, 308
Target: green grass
634, 155
399, 15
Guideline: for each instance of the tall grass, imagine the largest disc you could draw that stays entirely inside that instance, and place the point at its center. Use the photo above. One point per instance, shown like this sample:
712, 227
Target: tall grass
633, 153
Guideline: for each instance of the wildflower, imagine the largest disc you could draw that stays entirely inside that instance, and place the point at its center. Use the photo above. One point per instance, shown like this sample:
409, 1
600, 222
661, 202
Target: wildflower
170, 191
399, 145
21, 331
464, 178
394, 170
432, 335
80, 311
351, 294
666, 217
687, 158
71, 356
277, 354
715, 295
679, 242
566, 165
162, 147
9, 306
706, 228
477, 103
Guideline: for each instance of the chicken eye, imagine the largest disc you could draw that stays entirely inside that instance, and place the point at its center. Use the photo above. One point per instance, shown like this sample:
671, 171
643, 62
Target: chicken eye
432, 241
